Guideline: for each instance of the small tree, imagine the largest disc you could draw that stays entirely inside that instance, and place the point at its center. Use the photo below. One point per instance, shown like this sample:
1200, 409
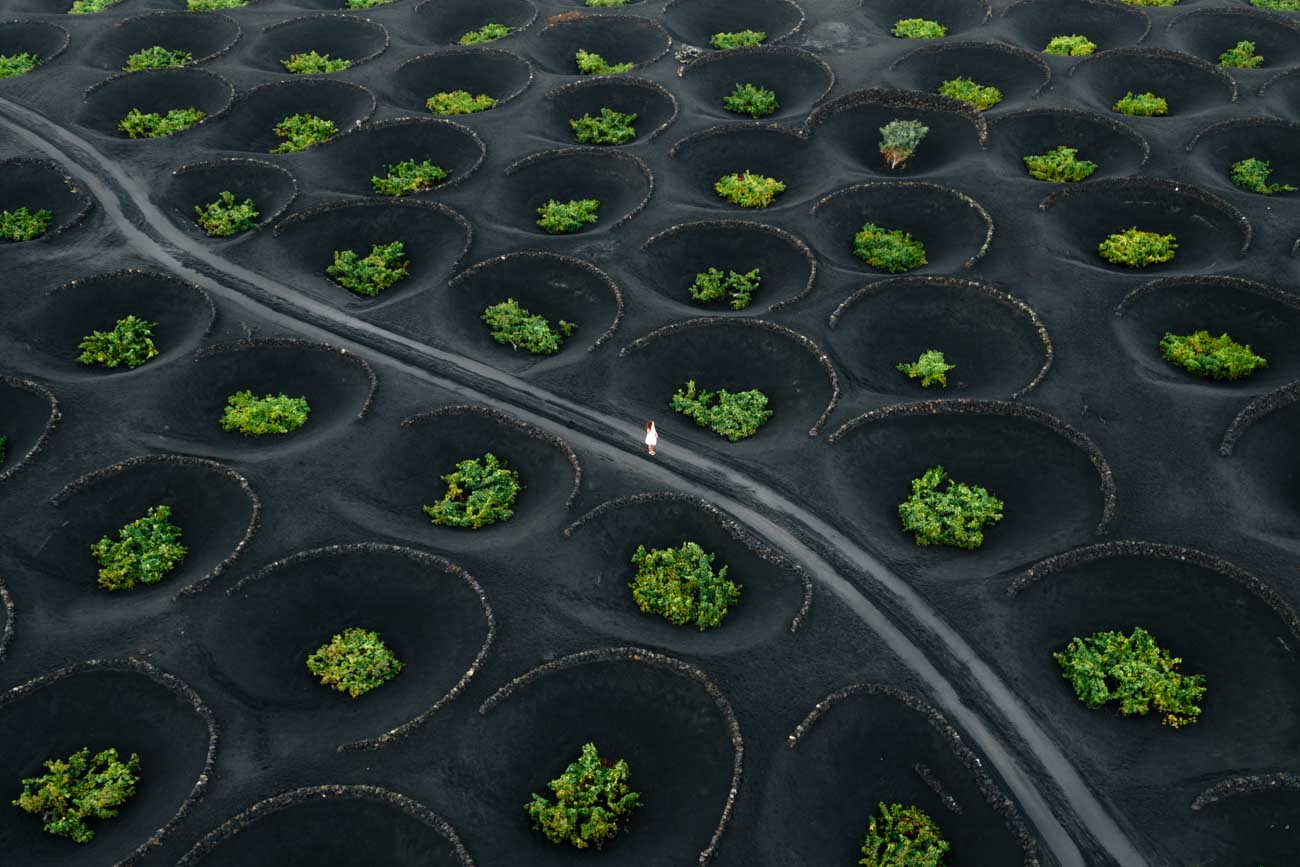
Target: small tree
732, 415
930, 367
1134, 671
314, 63
480, 492
156, 57
594, 64
748, 190
78, 788
369, 275
611, 128
1059, 165
1241, 56
891, 250
738, 39
1212, 357
918, 28
130, 343
903, 837
17, 64
459, 102
355, 661
1141, 105
1252, 175
225, 217
259, 416
679, 585
752, 100
301, 131
565, 218
713, 285
1135, 248
512, 324
1070, 46
144, 552
138, 124
406, 177
899, 139
955, 516
981, 96
592, 802
23, 225
486, 33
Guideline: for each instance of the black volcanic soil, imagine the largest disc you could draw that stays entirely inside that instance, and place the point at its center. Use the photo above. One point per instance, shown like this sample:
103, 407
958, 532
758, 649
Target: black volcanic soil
1011, 259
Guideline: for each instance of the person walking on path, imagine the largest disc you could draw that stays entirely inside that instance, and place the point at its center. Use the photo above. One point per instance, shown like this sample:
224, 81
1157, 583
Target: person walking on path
651, 436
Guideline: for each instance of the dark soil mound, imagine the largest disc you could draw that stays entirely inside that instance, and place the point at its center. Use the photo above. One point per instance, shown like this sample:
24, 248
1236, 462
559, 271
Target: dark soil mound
1109, 25
271, 188
500, 74
252, 121
205, 35
695, 21
617, 38
47, 41
621, 182
799, 79
773, 151
1019, 74
357, 40
37, 184
956, 15
30, 412
1116, 149
446, 21
351, 161
1188, 84
1207, 33
1217, 148
654, 106
158, 91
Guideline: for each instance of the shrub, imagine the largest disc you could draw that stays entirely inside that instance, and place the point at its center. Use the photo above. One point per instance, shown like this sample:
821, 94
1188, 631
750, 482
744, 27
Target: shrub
369, 275
486, 33
1135, 248
130, 343
594, 64
891, 250
408, 176
225, 217
955, 516
564, 218
738, 39
611, 128
1241, 56
138, 124
979, 95
459, 102
732, 415
78, 788
1070, 46
366, 4
1151, 2
4, 452
90, 7
592, 802
918, 28
156, 57
752, 100
17, 64
1141, 105
1134, 671
748, 190
480, 492
214, 5
1278, 5
301, 131
1059, 165
605, 4
314, 63
679, 585
930, 367
1212, 357
903, 837
23, 225
145, 551
713, 285
270, 414
355, 661
1252, 175
512, 324
899, 139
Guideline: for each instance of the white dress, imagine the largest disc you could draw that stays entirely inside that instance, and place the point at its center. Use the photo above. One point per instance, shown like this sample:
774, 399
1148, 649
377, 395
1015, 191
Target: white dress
652, 437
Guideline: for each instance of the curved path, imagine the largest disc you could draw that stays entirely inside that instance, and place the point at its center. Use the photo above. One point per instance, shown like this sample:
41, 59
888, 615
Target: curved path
910, 622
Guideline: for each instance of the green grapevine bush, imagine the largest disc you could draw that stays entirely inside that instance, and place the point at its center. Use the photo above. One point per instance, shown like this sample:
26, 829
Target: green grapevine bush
565, 218
611, 128
680, 585
930, 367
130, 343
918, 28
78, 788
1252, 175
145, 551
1135, 248
738, 39
752, 100
17, 64
314, 63
355, 661
459, 102
514, 325
366, 4
1070, 46
1141, 105
713, 285
903, 837
748, 190
486, 33
981, 96
732, 415
592, 802
1134, 671
1277, 5
90, 7
1241, 56
899, 139
408, 176
214, 5
258, 416
23, 225
4, 450
156, 57
594, 64
481, 491
138, 124
1059, 165
225, 217
1151, 2
955, 516
301, 131
372, 274
607, 3
891, 250
1212, 357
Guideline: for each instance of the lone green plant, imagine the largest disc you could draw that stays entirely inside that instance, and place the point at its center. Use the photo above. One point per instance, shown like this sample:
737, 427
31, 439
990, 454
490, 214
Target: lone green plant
680, 585
156, 57
130, 343
594, 64
748, 190
486, 33
931, 367
17, 64
890, 250
314, 63
903, 837
1134, 671
480, 492
899, 139
955, 516
592, 802
459, 102
225, 216
564, 218
918, 28
1252, 175
1241, 56
214, 5
1059, 165
90, 7
23, 225
713, 285
371, 274
1212, 357
1141, 105
734, 415
138, 124
4, 451
406, 177
610, 128
1151, 2
607, 4
144, 552
78, 788
752, 100
366, 4
1277, 5
1135, 248
355, 661
981, 96
512, 324
301, 131
737, 39
259, 416
1070, 46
